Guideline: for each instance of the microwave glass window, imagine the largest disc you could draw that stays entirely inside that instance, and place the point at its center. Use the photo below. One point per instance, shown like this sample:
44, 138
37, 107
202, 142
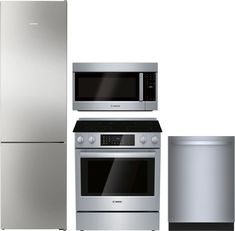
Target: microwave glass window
106, 86
117, 176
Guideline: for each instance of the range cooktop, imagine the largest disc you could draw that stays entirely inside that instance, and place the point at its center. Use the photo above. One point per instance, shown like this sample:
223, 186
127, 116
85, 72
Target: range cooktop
117, 125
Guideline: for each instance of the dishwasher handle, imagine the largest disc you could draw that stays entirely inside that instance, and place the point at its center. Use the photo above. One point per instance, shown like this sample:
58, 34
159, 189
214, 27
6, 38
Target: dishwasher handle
202, 142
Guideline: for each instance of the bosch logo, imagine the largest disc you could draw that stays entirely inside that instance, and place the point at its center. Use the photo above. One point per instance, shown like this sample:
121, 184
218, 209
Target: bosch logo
117, 201
115, 105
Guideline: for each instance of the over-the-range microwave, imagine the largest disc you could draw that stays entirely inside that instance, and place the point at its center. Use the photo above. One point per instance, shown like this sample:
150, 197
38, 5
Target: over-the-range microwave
115, 86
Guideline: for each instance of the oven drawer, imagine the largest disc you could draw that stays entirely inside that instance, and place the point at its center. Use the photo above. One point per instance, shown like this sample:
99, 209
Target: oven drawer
115, 180
117, 221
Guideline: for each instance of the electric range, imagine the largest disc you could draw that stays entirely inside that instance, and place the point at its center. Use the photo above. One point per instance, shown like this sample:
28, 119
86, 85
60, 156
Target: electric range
117, 174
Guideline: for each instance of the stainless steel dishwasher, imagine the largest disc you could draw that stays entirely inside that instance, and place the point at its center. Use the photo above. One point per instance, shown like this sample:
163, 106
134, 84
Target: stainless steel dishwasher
201, 183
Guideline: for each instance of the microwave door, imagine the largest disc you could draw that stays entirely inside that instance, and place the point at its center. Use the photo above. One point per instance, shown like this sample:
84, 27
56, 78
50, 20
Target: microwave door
108, 91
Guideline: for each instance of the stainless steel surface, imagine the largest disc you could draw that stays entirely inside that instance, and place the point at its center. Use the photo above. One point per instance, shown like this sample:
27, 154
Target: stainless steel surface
201, 179
115, 67
141, 86
33, 114
33, 186
82, 140
117, 221
33, 71
116, 105
129, 203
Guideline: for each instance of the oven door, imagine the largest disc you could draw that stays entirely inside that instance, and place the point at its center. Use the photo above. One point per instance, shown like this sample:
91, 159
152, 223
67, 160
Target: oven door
117, 180
108, 91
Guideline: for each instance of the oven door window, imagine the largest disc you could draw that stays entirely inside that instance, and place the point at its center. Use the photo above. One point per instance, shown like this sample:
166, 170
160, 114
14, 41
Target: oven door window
117, 176
110, 86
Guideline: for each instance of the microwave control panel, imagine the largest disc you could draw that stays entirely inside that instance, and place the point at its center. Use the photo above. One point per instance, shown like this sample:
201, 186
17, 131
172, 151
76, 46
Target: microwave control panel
149, 86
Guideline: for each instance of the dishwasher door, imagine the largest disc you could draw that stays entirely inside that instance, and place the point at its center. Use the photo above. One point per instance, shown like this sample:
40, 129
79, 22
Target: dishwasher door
201, 179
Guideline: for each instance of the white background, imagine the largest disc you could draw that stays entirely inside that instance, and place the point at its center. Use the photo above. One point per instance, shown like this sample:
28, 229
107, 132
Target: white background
193, 42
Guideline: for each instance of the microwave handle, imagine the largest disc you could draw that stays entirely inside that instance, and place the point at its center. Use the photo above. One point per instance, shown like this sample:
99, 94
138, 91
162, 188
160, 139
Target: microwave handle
141, 86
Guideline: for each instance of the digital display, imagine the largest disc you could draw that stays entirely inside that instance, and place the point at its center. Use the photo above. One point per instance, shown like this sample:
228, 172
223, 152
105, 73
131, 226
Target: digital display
117, 140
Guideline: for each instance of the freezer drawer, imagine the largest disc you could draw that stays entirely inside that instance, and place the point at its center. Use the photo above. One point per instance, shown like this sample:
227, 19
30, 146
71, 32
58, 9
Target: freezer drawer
33, 71
33, 186
201, 179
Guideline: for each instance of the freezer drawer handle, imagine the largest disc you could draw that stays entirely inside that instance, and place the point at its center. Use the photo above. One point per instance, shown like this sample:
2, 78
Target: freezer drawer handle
202, 142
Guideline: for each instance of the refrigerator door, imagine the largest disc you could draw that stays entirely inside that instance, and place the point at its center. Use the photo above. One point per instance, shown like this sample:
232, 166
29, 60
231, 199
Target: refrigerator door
201, 179
33, 71
33, 186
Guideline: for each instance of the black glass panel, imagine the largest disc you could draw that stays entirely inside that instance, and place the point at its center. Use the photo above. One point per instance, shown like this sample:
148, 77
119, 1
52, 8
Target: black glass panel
111, 86
116, 140
117, 126
201, 226
117, 176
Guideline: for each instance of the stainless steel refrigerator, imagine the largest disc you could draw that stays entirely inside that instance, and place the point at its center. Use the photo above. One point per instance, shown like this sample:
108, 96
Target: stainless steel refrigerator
201, 183
33, 114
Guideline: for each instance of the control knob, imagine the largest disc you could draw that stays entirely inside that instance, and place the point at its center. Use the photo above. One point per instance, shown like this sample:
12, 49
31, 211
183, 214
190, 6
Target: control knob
154, 139
80, 139
143, 139
91, 139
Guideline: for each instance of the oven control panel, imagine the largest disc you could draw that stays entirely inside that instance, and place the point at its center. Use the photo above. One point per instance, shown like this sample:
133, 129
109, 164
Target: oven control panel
118, 140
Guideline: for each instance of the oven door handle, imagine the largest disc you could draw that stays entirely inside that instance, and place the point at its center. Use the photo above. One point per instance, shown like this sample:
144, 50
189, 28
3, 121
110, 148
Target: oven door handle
119, 154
